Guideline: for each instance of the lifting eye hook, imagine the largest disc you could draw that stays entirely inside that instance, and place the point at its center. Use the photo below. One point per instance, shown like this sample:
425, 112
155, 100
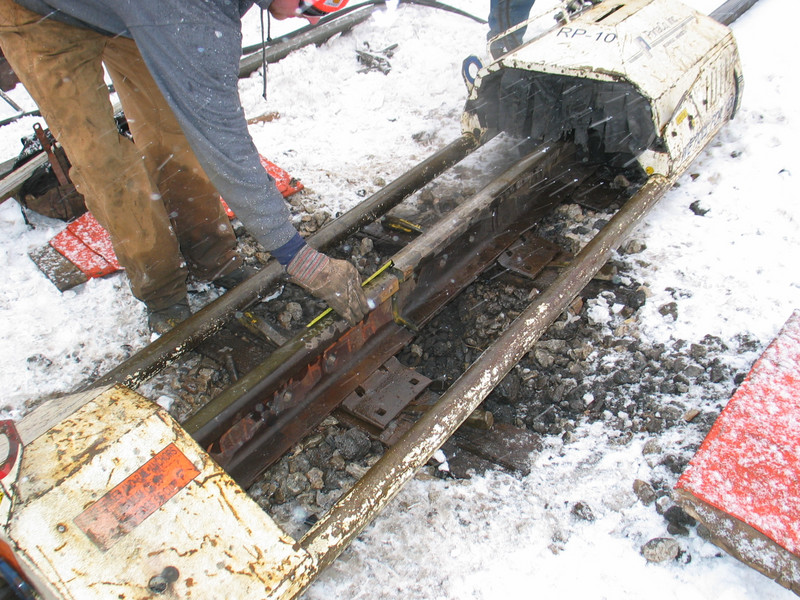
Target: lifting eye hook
467, 70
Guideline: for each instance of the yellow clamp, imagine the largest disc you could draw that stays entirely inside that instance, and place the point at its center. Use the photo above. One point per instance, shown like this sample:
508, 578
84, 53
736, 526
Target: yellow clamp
403, 225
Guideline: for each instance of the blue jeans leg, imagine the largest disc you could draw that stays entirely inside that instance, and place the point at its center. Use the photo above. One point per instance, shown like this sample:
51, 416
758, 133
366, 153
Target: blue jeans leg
504, 14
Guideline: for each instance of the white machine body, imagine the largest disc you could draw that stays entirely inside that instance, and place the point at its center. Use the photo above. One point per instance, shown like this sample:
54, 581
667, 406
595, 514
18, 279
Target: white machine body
662, 77
117, 501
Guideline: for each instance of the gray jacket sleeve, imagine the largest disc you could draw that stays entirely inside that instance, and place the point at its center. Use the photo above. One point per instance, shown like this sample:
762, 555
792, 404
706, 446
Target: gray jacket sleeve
193, 54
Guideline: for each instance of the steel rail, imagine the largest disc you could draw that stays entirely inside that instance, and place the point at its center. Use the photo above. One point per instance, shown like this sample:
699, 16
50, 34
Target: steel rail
730, 11
149, 360
212, 420
348, 517
254, 421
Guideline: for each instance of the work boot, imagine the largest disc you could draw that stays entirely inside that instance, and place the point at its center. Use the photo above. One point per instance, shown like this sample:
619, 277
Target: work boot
161, 321
234, 278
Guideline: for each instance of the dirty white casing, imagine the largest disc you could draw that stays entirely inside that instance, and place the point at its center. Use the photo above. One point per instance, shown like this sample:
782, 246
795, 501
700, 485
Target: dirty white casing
117, 494
683, 63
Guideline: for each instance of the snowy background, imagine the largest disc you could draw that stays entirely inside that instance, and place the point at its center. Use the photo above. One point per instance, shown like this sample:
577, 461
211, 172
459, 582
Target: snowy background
732, 272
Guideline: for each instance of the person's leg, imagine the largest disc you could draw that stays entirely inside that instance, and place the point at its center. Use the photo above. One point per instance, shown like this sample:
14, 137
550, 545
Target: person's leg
61, 68
504, 14
204, 231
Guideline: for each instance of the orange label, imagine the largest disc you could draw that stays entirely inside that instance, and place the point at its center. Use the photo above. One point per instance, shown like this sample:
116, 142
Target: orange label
139, 496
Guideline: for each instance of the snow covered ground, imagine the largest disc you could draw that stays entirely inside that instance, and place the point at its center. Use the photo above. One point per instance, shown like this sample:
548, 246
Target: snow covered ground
731, 272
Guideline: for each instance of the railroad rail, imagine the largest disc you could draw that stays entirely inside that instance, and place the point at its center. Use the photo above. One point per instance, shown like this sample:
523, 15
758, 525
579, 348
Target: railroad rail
250, 424
271, 406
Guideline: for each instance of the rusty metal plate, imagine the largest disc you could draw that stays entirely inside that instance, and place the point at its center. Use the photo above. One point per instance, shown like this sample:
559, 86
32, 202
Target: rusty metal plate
57, 269
385, 393
528, 255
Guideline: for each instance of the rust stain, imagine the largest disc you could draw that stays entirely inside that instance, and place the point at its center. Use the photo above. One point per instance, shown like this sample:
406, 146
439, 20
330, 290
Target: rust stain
146, 490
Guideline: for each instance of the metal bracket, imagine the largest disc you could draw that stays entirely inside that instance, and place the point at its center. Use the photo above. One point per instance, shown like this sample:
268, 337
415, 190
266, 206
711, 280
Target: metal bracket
400, 319
385, 393
528, 255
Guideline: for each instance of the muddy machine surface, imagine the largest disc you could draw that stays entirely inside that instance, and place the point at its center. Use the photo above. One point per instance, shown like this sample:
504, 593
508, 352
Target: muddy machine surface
104, 495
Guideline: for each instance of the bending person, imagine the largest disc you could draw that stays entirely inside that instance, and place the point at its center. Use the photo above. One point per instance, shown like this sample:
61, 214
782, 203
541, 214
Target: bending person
175, 65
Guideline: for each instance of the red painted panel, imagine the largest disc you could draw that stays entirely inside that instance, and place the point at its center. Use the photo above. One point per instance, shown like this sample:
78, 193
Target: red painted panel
91, 233
82, 256
749, 464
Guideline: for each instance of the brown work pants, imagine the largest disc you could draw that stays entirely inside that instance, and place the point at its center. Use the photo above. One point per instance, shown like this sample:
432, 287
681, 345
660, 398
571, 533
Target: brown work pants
151, 195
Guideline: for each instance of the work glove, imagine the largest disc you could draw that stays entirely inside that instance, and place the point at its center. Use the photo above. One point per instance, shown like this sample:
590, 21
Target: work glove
335, 281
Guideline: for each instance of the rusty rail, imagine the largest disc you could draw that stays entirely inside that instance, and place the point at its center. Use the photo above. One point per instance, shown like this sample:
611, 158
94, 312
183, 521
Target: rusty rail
340, 525
308, 376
